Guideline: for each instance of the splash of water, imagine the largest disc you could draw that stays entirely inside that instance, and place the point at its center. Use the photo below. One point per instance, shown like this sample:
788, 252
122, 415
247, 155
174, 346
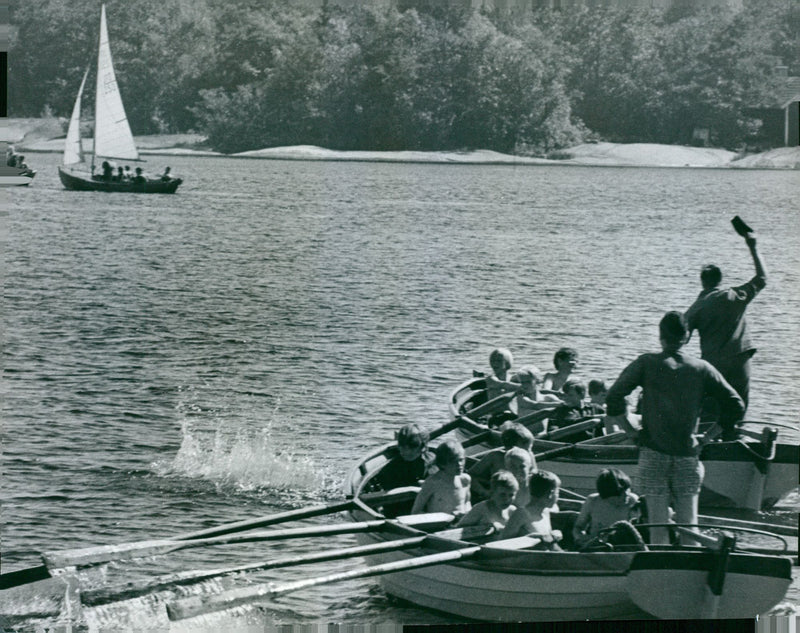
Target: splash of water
246, 459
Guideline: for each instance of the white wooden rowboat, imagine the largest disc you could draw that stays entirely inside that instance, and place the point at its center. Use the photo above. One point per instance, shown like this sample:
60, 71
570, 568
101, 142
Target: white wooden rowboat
746, 473
504, 581
422, 559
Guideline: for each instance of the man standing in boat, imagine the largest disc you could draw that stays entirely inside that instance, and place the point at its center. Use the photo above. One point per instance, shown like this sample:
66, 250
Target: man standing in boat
673, 387
718, 316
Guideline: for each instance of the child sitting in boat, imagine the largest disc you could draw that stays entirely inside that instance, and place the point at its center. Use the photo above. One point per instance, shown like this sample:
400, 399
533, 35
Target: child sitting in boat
494, 512
520, 463
533, 519
574, 409
565, 361
529, 400
597, 392
500, 382
447, 490
612, 502
413, 462
511, 435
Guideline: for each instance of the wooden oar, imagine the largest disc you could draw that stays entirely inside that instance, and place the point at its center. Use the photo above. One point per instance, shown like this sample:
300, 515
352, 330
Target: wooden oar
778, 424
133, 590
106, 553
563, 450
89, 556
375, 498
198, 605
775, 528
42, 572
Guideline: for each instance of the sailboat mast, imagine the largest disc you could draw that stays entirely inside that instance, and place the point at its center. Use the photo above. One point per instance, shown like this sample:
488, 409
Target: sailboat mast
103, 34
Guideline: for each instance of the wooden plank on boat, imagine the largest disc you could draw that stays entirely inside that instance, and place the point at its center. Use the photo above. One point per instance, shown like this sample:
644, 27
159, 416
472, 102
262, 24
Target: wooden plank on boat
198, 605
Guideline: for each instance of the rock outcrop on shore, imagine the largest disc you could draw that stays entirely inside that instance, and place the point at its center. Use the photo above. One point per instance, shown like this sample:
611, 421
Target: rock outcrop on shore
46, 135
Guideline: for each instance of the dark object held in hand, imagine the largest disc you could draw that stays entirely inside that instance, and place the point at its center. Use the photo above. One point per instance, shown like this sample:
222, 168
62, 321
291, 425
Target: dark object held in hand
741, 227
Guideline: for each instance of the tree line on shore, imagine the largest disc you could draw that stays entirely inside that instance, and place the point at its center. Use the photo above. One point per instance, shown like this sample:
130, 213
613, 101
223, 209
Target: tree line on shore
418, 76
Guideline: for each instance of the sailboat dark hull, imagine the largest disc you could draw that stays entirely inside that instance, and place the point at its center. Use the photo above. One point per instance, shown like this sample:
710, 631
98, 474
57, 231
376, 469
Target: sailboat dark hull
83, 181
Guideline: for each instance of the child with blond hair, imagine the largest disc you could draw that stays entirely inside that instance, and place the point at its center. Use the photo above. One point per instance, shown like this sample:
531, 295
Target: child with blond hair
447, 490
494, 512
511, 435
520, 463
533, 519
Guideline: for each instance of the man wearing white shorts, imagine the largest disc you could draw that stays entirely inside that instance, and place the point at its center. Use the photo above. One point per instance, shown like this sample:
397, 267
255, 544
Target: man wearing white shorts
673, 388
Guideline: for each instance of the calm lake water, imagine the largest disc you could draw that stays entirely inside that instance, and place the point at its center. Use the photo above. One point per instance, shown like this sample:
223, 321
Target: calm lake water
173, 362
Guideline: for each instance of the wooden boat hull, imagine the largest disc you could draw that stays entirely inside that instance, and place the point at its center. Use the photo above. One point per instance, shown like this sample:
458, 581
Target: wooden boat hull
530, 586
735, 475
505, 584
76, 180
16, 177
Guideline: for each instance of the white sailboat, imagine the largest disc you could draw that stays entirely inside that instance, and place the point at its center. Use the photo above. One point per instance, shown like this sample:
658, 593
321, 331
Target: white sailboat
113, 139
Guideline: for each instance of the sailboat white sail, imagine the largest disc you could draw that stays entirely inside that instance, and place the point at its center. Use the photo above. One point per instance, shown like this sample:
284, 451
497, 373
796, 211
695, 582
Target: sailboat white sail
112, 138
112, 134
73, 148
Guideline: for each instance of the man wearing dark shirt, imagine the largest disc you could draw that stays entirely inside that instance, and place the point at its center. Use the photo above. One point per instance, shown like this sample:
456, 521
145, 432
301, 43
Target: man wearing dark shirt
718, 316
673, 387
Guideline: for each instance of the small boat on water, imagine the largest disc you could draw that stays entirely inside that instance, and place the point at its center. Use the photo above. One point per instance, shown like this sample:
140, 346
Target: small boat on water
424, 559
510, 581
752, 473
16, 176
112, 136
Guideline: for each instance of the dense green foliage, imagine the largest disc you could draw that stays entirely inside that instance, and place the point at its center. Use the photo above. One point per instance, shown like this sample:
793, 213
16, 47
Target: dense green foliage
252, 74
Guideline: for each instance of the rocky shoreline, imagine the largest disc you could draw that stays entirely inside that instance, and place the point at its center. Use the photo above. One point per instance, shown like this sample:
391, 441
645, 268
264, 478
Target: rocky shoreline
46, 135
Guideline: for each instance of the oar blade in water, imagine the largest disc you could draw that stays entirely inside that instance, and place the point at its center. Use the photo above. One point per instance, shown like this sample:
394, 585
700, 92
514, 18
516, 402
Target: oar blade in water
109, 594
105, 553
199, 605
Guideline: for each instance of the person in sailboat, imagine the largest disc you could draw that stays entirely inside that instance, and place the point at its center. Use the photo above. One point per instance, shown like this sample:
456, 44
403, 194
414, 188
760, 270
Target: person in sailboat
120, 175
166, 176
139, 177
108, 171
11, 156
128, 174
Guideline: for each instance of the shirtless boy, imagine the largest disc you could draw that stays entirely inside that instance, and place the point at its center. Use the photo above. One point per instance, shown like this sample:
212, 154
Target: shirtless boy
534, 518
565, 361
612, 502
447, 490
496, 510
520, 463
529, 400
512, 435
